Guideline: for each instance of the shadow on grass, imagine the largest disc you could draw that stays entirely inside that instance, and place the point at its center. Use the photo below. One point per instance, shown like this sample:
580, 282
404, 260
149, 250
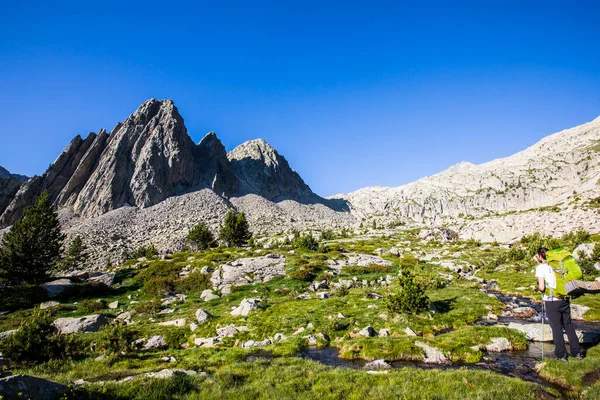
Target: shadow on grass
443, 306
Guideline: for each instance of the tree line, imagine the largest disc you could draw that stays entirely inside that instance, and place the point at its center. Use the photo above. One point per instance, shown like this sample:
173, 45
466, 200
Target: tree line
34, 245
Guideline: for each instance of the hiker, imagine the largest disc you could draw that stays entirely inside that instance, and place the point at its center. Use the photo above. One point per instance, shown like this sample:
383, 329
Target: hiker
558, 310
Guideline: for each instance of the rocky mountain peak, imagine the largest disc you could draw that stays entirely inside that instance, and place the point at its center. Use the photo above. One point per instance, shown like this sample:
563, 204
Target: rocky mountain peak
263, 171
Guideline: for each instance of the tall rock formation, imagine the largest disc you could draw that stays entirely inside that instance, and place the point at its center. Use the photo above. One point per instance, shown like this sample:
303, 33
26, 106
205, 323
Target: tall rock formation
143, 161
53, 180
150, 157
262, 171
214, 167
9, 185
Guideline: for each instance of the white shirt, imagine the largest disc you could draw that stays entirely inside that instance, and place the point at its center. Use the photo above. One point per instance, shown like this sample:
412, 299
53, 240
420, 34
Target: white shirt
545, 271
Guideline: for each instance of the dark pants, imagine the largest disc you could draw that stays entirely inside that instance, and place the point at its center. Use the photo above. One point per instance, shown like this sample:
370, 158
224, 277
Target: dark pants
559, 315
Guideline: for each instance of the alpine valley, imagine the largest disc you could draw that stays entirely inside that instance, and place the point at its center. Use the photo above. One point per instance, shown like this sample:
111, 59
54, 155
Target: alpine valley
147, 182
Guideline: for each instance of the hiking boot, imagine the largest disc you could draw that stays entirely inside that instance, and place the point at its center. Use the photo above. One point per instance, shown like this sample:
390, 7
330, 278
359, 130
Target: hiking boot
563, 358
580, 356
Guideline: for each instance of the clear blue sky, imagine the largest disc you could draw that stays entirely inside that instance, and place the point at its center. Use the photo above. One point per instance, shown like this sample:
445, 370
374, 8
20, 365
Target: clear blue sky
353, 94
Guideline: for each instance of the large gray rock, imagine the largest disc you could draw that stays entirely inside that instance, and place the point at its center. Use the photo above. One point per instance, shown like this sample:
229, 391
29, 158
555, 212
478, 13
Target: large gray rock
585, 248
57, 287
30, 387
535, 333
498, 344
155, 342
248, 270
245, 307
577, 312
108, 278
89, 323
432, 355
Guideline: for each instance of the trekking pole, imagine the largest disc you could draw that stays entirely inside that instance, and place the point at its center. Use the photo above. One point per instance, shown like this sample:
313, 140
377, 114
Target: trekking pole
543, 333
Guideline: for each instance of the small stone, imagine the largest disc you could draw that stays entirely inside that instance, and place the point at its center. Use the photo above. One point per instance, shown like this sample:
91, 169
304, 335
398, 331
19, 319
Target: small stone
299, 331
113, 305
202, 316
49, 304
227, 331
193, 326
323, 295
378, 364
278, 337
384, 332
205, 342
312, 341
409, 332
367, 332
166, 311
176, 322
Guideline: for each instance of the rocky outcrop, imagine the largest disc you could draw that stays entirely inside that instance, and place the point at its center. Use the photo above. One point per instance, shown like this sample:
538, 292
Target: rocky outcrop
9, 185
89, 323
248, 271
53, 180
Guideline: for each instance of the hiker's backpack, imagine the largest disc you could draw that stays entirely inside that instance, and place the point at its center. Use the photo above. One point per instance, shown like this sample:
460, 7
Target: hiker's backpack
565, 269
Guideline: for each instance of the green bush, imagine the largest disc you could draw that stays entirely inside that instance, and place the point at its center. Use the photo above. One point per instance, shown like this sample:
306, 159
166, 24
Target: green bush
327, 235
148, 251
34, 340
574, 239
341, 291
20, 297
304, 242
372, 268
90, 306
148, 307
159, 286
411, 298
158, 269
200, 237
516, 254
195, 282
339, 324
408, 262
116, 339
175, 337
304, 273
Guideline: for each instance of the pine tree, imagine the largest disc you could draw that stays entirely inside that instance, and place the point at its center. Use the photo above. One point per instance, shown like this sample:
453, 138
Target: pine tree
75, 255
201, 237
235, 230
33, 245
